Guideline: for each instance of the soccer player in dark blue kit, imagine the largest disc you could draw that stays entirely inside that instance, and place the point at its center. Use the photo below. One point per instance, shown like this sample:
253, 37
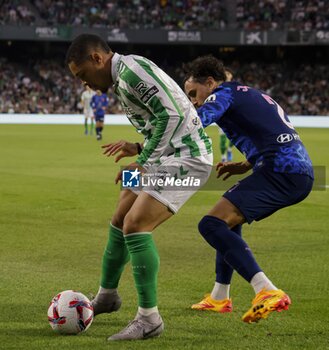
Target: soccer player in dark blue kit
282, 176
99, 103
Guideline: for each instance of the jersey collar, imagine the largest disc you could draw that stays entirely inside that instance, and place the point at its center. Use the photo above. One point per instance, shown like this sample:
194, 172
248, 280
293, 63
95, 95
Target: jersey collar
115, 66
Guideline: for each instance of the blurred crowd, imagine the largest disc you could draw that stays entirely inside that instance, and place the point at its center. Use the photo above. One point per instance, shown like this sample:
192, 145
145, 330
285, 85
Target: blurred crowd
283, 14
134, 14
47, 87
170, 14
300, 89
15, 12
44, 87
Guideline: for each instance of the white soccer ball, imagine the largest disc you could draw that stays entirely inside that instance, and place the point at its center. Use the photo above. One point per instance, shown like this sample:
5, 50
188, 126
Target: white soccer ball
70, 312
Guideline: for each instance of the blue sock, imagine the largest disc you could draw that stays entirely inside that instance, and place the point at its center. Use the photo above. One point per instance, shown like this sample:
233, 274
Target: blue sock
231, 246
229, 156
224, 271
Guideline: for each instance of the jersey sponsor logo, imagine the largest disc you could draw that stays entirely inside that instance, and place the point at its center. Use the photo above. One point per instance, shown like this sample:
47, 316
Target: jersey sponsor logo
211, 98
145, 92
141, 87
284, 138
149, 94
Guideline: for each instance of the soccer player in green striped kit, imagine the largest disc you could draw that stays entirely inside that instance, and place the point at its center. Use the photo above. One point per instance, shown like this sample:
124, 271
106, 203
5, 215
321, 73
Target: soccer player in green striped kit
175, 143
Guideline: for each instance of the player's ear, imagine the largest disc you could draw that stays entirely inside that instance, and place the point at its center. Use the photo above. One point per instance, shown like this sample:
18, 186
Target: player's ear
211, 83
96, 57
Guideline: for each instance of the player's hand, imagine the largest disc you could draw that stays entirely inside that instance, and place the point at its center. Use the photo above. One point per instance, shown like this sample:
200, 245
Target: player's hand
124, 148
232, 168
132, 166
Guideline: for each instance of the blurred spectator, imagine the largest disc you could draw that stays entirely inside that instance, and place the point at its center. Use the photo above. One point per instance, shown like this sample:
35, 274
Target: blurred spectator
309, 14
15, 12
282, 14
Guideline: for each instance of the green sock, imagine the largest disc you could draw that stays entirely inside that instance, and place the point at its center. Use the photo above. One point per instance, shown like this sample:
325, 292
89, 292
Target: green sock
145, 265
114, 259
86, 125
222, 144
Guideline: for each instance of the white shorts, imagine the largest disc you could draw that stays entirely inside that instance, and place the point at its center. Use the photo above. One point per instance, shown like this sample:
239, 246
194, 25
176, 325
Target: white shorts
89, 113
181, 178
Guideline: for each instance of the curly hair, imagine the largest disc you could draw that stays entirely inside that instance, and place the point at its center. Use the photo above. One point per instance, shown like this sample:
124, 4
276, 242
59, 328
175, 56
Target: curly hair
203, 67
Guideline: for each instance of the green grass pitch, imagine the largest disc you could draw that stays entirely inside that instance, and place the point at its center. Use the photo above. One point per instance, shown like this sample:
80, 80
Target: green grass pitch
57, 195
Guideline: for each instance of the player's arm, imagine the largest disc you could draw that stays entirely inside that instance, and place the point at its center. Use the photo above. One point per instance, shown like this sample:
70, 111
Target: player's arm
93, 104
215, 106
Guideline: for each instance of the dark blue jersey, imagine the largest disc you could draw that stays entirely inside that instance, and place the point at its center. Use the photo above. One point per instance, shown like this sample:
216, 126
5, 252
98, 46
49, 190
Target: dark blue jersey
98, 102
258, 127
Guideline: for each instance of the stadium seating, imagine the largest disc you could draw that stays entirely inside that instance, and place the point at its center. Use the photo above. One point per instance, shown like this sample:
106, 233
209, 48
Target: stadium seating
49, 88
170, 14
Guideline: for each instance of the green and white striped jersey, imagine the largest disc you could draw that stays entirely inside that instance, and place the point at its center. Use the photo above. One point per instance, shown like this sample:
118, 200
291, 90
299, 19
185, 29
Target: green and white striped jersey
158, 108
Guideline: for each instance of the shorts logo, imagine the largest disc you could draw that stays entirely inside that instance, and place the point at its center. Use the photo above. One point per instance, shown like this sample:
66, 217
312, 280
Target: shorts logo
233, 187
130, 178
283, 138
149, 94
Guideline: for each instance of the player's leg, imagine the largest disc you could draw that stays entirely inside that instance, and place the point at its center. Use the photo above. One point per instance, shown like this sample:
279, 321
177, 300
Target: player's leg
92, 121
97, 128
138, 226
215, 228
86, 125
101, 126
223, 146
219, 299
115, 258
255, 197
229, 152
152, 207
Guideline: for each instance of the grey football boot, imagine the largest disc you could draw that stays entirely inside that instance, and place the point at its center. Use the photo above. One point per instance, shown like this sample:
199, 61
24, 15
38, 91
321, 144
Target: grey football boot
142, 327
106, 303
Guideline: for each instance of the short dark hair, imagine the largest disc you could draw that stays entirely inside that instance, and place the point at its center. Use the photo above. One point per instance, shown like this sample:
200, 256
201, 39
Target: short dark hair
79, 50
203, 67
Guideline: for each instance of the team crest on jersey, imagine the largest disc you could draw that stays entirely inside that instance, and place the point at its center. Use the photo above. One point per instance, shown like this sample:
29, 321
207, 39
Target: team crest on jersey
211, 98
196, 121
145, 92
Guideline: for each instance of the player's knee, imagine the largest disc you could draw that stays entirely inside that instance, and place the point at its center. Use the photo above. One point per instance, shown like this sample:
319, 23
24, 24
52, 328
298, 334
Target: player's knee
212, 230
117, 220
131, 224
207, 224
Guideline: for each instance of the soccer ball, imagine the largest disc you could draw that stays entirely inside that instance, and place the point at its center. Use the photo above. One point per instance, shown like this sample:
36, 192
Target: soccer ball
70, 312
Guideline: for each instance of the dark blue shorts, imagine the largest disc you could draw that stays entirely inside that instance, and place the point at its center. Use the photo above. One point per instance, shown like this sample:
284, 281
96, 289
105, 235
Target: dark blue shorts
99, 118
265, 191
